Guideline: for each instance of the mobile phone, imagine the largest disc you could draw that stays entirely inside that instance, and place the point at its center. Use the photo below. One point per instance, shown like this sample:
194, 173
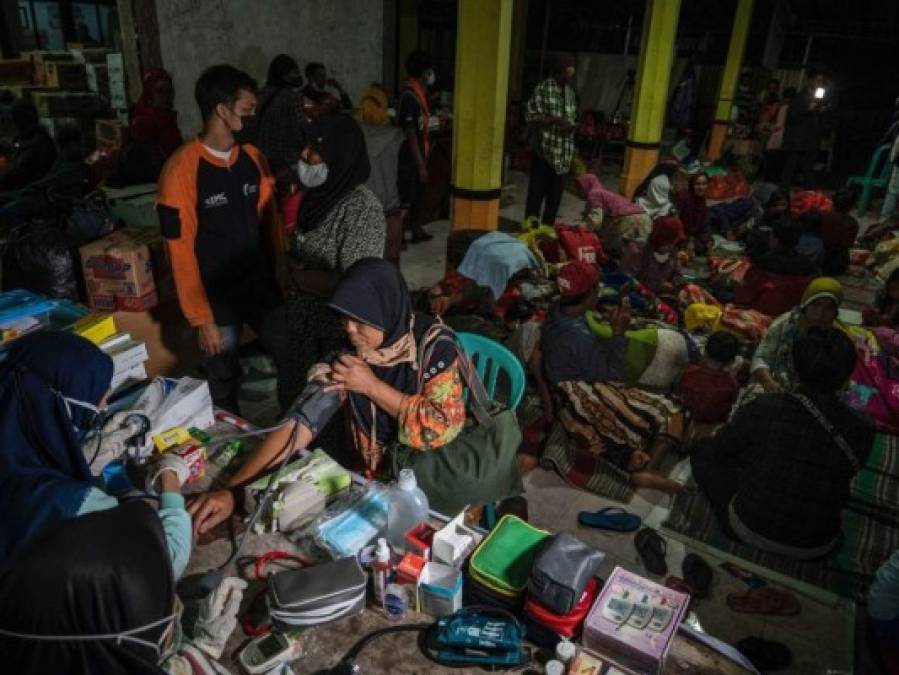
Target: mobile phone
266, 652
819, 93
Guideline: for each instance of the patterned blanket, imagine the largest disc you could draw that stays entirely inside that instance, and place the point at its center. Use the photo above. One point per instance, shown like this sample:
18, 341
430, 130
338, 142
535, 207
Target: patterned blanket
583, 469
870, 528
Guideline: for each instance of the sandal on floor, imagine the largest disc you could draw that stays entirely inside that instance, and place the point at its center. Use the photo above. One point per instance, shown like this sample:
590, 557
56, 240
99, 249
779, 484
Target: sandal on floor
766, 655
679, 585
610, 518
652, 549
698, 575
764, 600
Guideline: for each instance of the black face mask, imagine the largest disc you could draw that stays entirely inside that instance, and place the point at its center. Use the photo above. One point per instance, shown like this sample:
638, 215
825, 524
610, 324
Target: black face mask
247, 130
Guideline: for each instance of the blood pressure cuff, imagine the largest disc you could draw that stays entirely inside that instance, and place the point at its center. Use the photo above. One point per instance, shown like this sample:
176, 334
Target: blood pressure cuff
314, 407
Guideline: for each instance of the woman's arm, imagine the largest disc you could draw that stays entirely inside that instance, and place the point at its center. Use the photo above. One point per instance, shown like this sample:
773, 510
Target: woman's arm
434, 417
212, 508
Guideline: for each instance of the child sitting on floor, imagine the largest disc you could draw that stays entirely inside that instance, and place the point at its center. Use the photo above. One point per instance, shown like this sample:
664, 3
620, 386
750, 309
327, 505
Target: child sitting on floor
708, 389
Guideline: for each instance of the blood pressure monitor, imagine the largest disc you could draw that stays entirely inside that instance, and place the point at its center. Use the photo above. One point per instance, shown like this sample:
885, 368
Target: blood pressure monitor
266, 652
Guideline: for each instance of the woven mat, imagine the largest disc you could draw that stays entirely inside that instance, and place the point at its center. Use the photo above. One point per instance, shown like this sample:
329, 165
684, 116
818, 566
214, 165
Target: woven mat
870, 528
583, 469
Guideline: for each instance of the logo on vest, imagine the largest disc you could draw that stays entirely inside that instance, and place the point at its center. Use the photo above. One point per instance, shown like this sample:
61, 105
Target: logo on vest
250, 189
218, 199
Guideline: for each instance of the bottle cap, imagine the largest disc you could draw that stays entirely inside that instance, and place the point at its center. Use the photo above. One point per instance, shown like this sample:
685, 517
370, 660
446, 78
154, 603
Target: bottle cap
407, 480
555, 668
382, 553
566, 651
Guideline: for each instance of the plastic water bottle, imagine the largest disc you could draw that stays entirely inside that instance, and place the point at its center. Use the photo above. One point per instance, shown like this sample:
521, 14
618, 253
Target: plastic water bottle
408, 507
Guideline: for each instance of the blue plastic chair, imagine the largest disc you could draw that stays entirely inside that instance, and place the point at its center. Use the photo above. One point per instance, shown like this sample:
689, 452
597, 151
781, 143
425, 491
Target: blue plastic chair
489, 358
873, 178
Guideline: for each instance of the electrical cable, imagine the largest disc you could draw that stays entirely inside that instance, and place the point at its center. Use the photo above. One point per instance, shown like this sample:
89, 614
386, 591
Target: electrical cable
347, 665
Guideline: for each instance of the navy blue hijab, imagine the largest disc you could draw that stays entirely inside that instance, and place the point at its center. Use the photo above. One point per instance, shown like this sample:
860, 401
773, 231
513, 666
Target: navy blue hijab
44, 476
374, 292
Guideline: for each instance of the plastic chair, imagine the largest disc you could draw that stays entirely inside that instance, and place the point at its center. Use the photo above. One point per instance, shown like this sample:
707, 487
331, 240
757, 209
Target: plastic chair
872, 178
489, 358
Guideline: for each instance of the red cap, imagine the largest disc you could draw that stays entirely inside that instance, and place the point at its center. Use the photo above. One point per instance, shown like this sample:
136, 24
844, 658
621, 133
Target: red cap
577, 277
667, 231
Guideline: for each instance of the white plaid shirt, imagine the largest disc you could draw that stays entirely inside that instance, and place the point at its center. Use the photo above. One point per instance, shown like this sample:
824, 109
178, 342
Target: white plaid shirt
557, 146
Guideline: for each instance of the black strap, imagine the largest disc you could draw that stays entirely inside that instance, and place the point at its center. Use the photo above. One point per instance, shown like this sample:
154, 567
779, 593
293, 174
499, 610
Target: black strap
441, 333
841, 442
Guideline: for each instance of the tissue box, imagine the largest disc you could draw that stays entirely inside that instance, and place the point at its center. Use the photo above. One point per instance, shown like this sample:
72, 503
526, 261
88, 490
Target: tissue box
622, 637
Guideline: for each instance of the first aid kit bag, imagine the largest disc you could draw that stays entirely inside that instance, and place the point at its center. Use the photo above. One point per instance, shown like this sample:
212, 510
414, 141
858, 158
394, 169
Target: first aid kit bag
313, 595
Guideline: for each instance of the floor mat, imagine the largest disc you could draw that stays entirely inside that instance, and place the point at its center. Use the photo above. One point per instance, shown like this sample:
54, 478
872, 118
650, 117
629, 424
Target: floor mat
870, 528
583, 469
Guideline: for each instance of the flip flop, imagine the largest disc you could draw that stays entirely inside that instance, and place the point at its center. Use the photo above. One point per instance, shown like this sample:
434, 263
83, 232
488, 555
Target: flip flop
766, 655
698, 575
652, 549
679, 585
764, 600
610, 518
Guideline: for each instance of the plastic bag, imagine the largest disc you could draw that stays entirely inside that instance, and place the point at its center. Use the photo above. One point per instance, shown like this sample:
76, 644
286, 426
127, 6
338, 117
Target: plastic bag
40, 257
352, 522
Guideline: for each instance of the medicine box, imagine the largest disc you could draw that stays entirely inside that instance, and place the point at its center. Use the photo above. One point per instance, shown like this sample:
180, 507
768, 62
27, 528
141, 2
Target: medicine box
633, 622
453, 543
439, 590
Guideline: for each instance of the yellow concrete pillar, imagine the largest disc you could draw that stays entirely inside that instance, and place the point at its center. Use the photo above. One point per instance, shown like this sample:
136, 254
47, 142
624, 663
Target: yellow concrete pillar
729, 78
644, 136
479, 111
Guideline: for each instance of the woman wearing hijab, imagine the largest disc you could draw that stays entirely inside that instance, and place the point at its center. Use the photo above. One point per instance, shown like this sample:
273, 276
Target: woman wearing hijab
622, 224
96, 595
693, 210
400, 376
340, 221
154, 121
659, 268
654, 193
52, 387
279, 115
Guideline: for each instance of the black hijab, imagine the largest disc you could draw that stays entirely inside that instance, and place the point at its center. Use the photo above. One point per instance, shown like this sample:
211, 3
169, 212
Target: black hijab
101, 573
339, 140
374, 292
283, 72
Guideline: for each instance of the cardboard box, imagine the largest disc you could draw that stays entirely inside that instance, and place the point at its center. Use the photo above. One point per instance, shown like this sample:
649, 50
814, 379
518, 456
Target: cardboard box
56, 103
16, 71
93, 55
111, 134
98, 79
68, 76
26, 91
118, 270
116, 67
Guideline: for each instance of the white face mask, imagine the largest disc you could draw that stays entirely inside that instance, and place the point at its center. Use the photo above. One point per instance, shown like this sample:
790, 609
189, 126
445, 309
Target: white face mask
661, 257
430, 78
312, 175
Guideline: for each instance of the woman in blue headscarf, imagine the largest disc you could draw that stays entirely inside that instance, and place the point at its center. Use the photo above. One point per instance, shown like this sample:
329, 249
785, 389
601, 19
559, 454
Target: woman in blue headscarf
53, 386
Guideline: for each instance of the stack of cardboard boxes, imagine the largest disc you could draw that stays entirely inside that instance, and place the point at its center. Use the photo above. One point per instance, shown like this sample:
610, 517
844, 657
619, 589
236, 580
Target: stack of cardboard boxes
69, 88
126, 270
